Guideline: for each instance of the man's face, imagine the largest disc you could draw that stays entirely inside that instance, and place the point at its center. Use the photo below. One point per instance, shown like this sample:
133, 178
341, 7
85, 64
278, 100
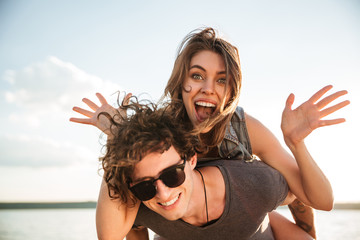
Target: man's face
171, 203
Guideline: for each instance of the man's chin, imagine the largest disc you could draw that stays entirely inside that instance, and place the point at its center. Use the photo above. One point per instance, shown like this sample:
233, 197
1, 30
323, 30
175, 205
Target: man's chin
170, 218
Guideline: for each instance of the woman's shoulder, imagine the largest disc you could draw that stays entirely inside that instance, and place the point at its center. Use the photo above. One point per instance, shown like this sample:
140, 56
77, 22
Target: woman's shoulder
239, 113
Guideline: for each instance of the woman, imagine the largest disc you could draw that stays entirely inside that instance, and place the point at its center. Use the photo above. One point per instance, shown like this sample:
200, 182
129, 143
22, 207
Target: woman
206, 82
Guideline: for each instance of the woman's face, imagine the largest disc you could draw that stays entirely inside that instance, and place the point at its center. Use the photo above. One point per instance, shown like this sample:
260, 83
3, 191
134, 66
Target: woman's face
204, 87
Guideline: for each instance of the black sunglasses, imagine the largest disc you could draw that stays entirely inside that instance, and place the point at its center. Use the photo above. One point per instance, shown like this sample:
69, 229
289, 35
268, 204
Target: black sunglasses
172, 177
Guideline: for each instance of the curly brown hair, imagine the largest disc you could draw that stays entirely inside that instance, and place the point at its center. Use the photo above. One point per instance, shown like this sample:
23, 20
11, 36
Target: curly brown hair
195, 42
146, 128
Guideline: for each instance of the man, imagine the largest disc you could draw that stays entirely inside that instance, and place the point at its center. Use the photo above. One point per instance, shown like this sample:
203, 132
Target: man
150, 168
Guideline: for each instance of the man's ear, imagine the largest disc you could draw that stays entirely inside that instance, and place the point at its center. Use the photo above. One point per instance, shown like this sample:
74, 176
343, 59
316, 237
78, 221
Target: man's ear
193, 161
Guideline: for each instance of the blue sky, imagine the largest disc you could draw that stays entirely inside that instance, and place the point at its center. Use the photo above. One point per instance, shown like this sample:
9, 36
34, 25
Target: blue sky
54, 53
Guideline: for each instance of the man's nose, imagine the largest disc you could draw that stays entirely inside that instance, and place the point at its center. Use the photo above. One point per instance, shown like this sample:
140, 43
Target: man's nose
163, 192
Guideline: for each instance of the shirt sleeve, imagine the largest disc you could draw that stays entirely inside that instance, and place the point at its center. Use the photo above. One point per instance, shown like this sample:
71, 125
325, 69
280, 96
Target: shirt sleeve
281, 190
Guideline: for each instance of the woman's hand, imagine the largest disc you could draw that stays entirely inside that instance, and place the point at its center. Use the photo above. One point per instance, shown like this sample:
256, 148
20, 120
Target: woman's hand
297, 124
92, 118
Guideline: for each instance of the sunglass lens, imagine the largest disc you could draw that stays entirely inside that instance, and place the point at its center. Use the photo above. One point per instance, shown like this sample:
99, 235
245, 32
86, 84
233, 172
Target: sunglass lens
144, 191
174, 177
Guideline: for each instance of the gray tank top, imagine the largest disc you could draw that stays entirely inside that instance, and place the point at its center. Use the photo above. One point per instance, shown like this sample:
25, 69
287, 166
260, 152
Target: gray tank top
252, 190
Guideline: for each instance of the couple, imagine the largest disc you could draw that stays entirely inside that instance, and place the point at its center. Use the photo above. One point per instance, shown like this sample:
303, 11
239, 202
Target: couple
218, 199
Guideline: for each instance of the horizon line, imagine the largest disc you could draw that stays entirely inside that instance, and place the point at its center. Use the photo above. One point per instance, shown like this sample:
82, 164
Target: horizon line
92, 204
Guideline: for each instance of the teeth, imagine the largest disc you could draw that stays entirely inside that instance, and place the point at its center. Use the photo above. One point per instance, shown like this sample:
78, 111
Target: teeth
170, 202
205, 104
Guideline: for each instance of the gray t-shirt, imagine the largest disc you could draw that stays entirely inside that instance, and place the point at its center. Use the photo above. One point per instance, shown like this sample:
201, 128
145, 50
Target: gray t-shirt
252, 190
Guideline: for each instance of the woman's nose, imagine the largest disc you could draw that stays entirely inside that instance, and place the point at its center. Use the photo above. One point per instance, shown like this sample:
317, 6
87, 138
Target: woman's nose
208, 87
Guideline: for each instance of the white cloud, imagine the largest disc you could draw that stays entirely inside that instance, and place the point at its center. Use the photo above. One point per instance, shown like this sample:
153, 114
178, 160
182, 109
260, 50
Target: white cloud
38, 151
38, 103
53, 84
9, 76
30, 120
49, 89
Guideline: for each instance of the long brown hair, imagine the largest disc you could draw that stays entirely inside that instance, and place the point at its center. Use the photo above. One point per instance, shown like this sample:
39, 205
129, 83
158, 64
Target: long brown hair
196, 41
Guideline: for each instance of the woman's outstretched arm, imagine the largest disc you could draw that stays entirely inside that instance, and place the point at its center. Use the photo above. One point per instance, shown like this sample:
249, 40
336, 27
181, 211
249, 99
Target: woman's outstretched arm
94, 118
306, 180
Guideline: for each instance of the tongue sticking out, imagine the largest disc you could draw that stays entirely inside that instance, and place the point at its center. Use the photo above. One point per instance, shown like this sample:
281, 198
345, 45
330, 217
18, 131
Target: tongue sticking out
204, 112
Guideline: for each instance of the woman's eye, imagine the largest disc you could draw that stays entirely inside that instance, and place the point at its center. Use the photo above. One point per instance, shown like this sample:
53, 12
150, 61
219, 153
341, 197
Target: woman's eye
197, 76
222, 80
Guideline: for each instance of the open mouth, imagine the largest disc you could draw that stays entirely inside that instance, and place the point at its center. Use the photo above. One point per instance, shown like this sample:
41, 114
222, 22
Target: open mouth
204, 110
169, 203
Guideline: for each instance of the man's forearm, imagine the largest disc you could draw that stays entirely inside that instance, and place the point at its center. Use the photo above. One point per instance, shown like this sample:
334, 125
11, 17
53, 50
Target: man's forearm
113, 218
140, 233
303, 216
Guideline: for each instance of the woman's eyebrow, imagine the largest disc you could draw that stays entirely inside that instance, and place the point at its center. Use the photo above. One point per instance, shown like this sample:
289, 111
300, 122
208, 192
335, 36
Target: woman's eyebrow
198, 66
203, 69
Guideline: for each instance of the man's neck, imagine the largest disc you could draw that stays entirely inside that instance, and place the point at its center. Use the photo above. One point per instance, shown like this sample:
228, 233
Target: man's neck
215, 196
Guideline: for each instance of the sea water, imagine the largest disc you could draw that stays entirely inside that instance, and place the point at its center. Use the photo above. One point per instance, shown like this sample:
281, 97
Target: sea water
78, 224
334, 225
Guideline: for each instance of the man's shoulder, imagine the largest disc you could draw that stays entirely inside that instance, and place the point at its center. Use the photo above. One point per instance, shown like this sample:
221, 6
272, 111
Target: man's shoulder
235, 163
246, 171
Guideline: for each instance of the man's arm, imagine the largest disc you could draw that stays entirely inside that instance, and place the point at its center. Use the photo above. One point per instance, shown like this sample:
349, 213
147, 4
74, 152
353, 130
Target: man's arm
139, 233
113, 219
303, 216
283, 229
